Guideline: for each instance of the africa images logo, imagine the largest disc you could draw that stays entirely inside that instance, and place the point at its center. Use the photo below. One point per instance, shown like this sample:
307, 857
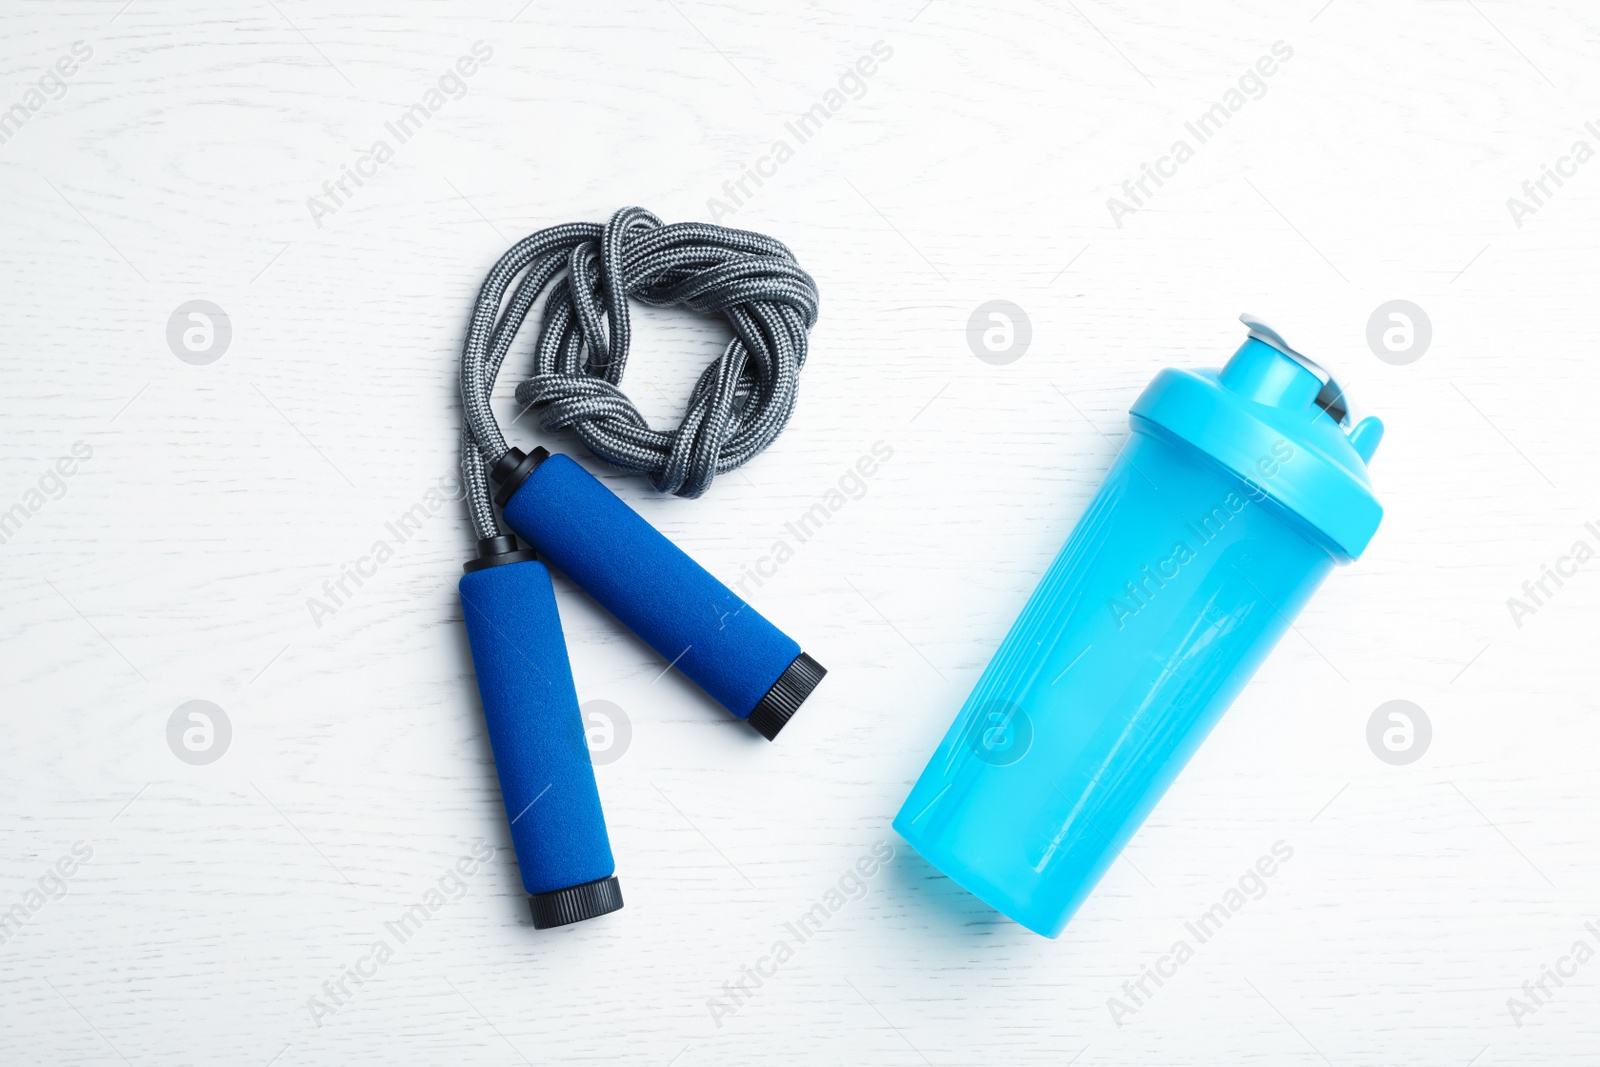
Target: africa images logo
1139, 591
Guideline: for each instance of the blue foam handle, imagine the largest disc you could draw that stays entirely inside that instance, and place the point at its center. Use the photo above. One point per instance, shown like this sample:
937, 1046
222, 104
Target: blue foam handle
694, 621
531, 709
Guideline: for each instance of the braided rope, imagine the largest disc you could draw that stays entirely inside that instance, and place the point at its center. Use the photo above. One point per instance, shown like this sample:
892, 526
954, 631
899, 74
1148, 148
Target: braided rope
740, 403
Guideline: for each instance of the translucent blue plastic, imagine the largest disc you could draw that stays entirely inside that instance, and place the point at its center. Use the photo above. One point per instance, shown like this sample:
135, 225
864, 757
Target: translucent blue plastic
1175, 584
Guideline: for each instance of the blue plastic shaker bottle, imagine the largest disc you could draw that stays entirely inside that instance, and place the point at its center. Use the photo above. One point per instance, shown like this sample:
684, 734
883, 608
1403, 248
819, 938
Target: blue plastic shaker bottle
1235, 496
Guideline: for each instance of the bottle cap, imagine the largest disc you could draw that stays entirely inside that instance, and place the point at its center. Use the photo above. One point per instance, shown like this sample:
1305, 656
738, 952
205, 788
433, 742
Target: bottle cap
1277, 420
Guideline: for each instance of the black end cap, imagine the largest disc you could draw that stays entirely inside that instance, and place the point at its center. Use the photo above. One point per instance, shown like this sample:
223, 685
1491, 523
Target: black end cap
561, 907
512, 469
775, 709
493, 551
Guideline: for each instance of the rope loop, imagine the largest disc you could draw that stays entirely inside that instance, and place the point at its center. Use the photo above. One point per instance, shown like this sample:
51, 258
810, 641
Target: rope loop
740, 403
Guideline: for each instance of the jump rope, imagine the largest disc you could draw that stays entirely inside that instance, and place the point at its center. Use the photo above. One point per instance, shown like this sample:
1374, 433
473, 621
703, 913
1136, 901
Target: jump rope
739, 406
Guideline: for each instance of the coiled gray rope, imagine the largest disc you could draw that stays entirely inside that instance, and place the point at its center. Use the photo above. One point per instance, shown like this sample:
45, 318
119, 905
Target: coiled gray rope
740, 403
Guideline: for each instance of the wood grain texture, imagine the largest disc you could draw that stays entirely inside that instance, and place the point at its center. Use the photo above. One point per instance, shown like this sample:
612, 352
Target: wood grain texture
976, 165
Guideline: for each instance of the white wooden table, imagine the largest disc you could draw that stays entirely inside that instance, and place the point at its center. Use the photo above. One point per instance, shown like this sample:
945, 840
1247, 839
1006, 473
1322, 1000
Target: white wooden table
177, 514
